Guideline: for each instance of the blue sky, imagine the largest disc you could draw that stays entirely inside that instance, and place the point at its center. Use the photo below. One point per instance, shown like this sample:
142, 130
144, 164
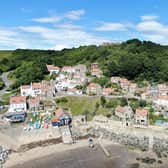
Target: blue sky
57, 24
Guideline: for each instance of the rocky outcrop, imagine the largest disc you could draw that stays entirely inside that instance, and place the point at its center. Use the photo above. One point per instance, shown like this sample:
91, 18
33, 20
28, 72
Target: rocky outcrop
160, 146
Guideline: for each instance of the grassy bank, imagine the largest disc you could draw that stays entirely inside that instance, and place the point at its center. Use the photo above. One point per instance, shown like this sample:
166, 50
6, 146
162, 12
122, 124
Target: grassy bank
89, 106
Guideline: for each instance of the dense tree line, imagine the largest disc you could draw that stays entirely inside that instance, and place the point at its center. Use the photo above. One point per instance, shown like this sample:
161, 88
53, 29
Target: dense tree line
2, 84
134, 59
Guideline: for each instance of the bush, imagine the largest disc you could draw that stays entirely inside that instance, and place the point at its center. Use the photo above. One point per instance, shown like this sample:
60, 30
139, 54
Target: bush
123, 102
62, 100
111, 104
142, 103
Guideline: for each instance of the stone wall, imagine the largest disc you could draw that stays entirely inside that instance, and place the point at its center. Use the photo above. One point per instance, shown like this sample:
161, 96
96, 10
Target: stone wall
141, 142
160, 146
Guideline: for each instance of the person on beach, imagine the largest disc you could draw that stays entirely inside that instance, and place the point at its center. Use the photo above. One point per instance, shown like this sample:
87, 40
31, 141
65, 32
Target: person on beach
90, 142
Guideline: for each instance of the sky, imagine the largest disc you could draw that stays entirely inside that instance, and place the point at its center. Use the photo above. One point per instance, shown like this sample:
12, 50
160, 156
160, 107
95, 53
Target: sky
58, 24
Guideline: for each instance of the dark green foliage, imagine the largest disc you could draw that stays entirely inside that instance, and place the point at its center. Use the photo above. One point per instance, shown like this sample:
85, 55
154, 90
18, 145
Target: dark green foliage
103, 81
142, 103
111, 103
134, 59
102, 101
1, 84
62, 100
123, 102
97, 106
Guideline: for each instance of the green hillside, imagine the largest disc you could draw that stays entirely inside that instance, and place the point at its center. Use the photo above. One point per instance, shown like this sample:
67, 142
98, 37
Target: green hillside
5, 53
134, 59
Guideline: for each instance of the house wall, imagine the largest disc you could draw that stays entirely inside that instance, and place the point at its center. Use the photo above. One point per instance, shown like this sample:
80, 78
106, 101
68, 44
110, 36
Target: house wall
138, 119
18, 107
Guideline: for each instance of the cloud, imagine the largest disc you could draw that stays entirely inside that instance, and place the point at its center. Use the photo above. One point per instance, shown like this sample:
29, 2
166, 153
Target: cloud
149, 17
52, 19
107, 26
62, 38
153, 30
69, 26
71, 15
11, 39
75, 14
25, 10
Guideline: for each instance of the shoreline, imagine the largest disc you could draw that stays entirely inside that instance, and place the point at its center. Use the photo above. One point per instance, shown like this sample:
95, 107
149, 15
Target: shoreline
43, 144
60, 152
28, 155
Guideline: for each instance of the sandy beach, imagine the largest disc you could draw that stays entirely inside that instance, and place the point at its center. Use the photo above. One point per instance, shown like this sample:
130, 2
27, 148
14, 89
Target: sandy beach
78, 155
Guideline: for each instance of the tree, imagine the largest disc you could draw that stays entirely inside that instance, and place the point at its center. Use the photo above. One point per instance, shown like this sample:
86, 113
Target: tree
102, 101
101, 81
123, 102
97, 106
112, 104
142, 103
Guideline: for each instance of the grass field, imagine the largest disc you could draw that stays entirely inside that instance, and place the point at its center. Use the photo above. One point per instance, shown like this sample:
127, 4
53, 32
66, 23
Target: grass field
81, 105
5, 53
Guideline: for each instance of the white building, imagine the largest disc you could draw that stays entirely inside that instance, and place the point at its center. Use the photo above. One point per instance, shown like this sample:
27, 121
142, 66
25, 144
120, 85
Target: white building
162, 89
74, 91
124, 112
34, 89
162, 101
25, 90
141, 116
18, 104
68, 69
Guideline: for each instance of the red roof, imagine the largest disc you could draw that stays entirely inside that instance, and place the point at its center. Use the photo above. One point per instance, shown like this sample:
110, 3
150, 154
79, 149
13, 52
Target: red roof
59, 112
52, 67
35, 100
163, 98
93, 85
133, 85
108, 90
142, 112
72, 89
17, 99
36, 85
115, 78
120, 109
65, 68
25, 87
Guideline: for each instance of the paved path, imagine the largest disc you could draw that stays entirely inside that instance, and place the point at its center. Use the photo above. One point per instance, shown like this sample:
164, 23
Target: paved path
7, 82
88, 96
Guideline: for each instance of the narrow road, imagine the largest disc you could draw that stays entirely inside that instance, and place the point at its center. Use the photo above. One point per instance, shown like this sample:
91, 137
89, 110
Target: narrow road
7, 82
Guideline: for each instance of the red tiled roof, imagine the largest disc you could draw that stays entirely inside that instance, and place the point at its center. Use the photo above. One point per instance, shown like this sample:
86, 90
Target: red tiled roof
120, 109
17, 99
25, 87
142, 112
108, 90
96, 70
93, 85
163, 97
35, 100
133, 85
59, 112
66, 68
52, 67
115, 78
36, 85
72, 89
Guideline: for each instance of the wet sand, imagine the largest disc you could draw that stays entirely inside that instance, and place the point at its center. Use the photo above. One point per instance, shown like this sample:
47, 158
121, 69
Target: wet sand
77, 156
81, 158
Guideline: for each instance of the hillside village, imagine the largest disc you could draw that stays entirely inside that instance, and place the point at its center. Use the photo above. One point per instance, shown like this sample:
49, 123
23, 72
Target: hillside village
79, 81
